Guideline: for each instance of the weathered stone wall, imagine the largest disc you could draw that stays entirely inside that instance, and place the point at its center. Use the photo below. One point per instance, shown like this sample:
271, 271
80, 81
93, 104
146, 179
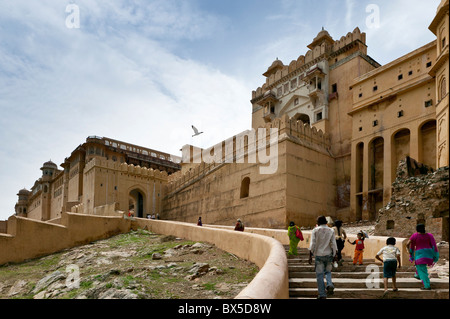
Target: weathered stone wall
419, 195
301, 189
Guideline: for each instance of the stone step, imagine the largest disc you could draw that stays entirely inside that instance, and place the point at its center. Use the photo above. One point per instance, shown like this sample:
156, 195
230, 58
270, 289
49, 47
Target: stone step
344, 268
304, 259
436, 283
364, 293
355, 274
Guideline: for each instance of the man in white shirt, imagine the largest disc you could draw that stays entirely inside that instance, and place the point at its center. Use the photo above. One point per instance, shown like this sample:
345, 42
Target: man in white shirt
323, 247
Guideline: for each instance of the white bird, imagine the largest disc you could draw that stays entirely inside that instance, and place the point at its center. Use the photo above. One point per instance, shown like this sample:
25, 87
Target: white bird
196, 131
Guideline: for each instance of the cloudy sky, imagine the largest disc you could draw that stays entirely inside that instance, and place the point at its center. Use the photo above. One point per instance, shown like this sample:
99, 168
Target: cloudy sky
144, 71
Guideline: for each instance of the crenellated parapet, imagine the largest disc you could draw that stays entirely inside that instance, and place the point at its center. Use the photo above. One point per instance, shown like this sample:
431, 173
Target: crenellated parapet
125, 168
356, 35
247, 144
300, 131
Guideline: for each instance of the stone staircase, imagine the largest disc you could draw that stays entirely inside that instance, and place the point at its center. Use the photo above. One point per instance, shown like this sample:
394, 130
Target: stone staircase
350, 281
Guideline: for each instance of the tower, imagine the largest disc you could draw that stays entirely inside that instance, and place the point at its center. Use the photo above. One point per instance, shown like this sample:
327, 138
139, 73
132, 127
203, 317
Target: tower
440, 27
22, 203
49, 170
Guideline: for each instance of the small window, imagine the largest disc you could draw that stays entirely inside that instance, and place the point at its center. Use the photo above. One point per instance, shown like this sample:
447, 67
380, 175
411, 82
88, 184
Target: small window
428, 64
375, 123
400, 76
319, 116
375, 88
245, 187
334, 88
390, 224
428, 103
400, 113
360, 129
360, 95
294, 83
410, 72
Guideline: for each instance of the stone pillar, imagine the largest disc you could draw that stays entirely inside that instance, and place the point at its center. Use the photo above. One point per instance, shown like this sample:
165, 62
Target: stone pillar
354, 177
388, 169
366, 181
415, 144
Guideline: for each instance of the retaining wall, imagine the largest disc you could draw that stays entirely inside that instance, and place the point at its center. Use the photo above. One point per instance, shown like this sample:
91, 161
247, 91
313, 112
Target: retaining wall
372, 245
28, 239
271, 282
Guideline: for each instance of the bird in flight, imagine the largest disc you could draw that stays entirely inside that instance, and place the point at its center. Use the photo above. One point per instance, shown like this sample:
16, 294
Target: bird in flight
196, 131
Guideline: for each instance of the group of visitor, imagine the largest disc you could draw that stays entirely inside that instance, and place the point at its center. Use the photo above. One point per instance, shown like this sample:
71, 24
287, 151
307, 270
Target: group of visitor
328, 240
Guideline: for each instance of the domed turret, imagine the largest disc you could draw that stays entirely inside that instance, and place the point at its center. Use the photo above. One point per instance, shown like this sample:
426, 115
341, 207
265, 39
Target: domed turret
48, 170
22, 203
322, 36
23, 192
50, 164
276, 65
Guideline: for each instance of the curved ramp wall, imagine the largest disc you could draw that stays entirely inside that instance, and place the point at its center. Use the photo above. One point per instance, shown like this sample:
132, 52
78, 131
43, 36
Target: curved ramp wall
271, 282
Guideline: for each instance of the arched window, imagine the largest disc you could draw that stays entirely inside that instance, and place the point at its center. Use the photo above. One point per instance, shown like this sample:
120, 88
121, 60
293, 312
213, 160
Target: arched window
302, 117
245, 187
442, 88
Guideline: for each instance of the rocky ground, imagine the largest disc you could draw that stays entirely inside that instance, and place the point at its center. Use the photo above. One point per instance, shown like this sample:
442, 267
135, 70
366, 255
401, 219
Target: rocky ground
137, 265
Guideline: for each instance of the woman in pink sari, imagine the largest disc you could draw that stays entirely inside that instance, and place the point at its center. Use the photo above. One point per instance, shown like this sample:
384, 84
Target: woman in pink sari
423, 252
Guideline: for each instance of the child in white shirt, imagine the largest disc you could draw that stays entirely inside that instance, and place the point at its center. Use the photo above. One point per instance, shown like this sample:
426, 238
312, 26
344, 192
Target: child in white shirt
391, 258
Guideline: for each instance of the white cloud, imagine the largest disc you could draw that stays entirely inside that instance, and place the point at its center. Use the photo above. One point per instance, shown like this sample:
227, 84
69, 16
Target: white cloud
59, 85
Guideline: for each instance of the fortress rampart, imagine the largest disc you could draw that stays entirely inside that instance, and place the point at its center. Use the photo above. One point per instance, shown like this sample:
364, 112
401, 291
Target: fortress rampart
233, 187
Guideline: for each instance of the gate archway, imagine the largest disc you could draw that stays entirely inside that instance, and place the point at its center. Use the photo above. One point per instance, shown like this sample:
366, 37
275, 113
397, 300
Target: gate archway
137, 202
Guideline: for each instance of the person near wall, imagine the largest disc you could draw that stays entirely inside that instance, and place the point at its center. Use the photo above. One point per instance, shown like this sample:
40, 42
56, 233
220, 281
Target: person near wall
239, 225
359, 248
423, 252
391, 260
341, 236
323, 247
295, 236
199, 222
